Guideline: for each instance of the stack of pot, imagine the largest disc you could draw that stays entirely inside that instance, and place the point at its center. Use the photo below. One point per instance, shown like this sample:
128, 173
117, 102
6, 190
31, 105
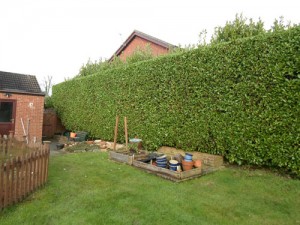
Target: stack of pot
187, 163
161, 161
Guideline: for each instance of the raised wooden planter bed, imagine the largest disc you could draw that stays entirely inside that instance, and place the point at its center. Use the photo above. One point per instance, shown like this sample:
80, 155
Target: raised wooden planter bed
162, 172
121, 157
174, 175
124, 157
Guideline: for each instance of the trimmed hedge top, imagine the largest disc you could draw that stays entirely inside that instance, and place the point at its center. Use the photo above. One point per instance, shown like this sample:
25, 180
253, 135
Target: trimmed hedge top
239, 99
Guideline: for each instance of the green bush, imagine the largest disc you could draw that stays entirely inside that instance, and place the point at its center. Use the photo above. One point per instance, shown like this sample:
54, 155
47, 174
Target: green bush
139, 54
238, 99
48, 102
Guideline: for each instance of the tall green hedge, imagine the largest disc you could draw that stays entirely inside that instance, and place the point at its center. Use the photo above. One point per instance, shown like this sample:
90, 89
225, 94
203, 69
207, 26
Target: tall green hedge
239, 99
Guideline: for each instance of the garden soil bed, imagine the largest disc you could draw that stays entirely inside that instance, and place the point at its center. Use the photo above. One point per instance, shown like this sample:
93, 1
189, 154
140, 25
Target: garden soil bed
174, 175
125, 157
177, 176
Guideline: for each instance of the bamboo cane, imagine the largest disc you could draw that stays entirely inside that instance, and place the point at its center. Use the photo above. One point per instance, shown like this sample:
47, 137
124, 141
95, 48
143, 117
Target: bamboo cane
116, 133
126, 132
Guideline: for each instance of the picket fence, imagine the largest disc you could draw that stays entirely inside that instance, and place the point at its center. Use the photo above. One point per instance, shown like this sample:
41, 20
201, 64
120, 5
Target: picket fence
21, 174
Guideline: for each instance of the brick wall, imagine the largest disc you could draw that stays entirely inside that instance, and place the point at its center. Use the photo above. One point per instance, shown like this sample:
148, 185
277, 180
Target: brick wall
28, 107
142, 43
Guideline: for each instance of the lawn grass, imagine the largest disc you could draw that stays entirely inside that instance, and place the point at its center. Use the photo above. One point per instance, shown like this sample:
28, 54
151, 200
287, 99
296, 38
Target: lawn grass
87, 188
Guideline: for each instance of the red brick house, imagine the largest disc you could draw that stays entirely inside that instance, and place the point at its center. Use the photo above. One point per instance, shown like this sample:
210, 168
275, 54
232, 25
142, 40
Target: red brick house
21, 106
140, 40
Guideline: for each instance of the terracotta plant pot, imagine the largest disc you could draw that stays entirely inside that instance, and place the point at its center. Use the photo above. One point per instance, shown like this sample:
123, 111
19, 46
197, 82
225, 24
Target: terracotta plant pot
198, 163
72, 135
187, 165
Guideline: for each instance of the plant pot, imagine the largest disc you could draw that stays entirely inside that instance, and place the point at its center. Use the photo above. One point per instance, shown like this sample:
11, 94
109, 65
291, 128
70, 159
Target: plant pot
173, 168
187, 165
173, 162
188, 157
198, 163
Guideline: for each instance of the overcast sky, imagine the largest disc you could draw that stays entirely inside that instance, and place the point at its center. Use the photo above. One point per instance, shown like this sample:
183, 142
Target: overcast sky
55, 37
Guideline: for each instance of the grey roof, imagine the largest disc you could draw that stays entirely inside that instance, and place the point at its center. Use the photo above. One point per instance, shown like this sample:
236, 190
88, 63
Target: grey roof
19, 83
147, 37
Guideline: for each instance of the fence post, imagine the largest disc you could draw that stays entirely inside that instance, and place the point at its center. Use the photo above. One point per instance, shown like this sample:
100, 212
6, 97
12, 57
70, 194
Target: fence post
35, 170
24, 142
27, 172
31, 168
19, 179
12, 181
5, 142
10, 141
1, 185
47, 153
1, 144
47, 145
6, 180
22, 177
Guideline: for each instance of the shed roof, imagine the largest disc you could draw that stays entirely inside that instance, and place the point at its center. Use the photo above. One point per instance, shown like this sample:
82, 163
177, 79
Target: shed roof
19, 83
147, 37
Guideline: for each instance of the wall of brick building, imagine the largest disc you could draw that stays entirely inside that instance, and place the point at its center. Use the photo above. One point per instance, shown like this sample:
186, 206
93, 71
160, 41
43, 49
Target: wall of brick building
28, 107
139, 42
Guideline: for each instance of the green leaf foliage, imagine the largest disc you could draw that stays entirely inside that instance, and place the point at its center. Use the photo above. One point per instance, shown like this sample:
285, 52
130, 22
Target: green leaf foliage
240, 99
239, 28
139, 54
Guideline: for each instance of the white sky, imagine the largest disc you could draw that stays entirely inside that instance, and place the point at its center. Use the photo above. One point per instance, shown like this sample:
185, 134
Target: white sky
55, 37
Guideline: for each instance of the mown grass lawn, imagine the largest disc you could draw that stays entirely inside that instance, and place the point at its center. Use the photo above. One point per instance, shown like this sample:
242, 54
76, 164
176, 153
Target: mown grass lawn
88, 188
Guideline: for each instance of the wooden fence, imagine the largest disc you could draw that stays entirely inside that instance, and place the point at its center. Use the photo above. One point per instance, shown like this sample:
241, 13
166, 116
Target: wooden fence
21, 174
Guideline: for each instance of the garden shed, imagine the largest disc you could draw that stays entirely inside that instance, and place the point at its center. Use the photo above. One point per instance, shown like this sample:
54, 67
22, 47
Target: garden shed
21, 106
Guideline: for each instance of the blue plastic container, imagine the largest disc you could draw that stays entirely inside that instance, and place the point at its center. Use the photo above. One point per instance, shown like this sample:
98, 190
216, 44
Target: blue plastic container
174, 168
173, 162
188, 157
161, 160
161, 157
162, 165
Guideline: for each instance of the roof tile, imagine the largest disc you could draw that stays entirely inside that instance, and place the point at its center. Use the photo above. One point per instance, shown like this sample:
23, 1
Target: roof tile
20, 83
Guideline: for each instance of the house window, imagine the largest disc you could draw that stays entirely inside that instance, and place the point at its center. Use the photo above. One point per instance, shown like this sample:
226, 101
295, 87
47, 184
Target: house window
6, 111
